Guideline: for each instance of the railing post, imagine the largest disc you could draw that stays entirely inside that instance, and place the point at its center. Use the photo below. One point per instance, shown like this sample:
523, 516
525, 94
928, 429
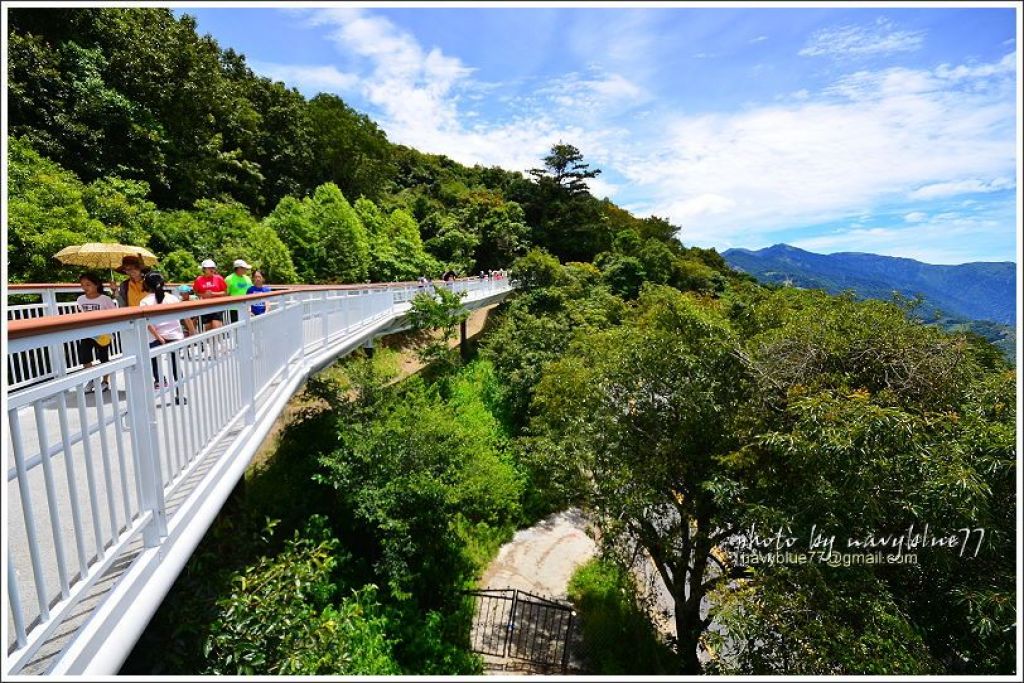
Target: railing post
567, 644
50, 300
142, 418
247, 362
57, 360
325, 305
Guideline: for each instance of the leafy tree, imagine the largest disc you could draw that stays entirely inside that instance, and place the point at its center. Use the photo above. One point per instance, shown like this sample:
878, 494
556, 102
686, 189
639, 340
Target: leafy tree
352, 151
880, 423
805, 620
345, 244
280, 617
536, 269
137, 93
627, 242
437, 311
624, 274
122, 206
263, 249
217, 223
691, 275
657, 260
45, 213
63, 104
452, 245
406, 477
179, 266
500, 226
180, 231
656, 228
411, 258
383, 252
641, 414
283, 142
292, 220
565, 166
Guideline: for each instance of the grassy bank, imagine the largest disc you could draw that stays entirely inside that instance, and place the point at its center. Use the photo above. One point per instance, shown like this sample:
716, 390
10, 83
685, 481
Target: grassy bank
618, 637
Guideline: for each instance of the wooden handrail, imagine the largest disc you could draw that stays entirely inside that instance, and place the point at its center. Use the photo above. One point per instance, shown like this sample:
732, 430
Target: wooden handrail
17, 329
15, 286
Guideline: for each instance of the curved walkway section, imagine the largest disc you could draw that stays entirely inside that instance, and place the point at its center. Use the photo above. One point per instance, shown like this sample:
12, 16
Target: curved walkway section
109, 491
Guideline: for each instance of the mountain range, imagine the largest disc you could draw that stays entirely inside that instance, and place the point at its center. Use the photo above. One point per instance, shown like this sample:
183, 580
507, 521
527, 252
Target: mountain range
970, 291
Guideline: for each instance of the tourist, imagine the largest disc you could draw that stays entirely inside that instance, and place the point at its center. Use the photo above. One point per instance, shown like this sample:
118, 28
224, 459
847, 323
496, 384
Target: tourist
210, 285
238, 283
162, 332
185, 294
258, 287
129, 292
93, 350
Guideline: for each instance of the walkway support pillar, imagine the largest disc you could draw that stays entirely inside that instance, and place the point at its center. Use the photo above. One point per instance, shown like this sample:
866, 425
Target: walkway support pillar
463, 341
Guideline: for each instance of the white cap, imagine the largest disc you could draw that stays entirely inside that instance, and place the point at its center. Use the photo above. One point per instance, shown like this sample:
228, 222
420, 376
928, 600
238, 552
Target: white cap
208, 263
240, 263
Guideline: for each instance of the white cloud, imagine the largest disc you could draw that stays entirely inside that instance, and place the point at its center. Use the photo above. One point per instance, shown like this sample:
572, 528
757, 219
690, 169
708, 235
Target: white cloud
857, 41
618, 40
939, 239
968, 186
915, 217
601, 93
417, 93
871, 138
601, 188
308, 77
1005, 65
826, 158
414, 87
758, 39
707, 204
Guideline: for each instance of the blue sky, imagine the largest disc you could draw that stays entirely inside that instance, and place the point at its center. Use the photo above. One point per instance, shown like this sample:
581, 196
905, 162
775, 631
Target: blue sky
833, 129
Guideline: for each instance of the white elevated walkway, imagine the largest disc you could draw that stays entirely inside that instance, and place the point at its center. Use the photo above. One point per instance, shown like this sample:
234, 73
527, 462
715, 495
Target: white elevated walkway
108, 494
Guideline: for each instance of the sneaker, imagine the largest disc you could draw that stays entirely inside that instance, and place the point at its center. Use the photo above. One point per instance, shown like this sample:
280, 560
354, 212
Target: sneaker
180, 401
91, 389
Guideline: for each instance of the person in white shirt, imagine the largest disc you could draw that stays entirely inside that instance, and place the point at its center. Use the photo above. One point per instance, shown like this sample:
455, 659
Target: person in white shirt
93, 350
162, 332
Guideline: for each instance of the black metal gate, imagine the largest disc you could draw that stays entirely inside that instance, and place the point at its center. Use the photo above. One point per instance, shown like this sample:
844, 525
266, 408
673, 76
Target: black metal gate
518, 625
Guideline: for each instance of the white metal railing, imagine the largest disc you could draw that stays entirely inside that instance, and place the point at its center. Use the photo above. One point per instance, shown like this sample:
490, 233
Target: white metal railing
31, 366
92, 473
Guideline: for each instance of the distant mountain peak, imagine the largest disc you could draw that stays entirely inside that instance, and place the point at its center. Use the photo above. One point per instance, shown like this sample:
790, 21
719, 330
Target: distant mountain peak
973, 291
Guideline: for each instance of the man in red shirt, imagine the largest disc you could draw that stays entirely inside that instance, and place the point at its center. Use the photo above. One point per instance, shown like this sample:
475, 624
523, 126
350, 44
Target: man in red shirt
208, 286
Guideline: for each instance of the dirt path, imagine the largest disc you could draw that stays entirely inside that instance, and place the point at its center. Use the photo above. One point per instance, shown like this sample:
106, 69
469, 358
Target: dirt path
541, 559
410, 363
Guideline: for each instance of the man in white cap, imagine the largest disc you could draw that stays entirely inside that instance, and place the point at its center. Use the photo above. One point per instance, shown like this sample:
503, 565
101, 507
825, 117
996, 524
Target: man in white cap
207, 286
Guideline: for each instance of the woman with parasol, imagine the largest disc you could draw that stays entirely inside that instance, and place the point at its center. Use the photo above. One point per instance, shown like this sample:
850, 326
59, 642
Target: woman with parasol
128, 260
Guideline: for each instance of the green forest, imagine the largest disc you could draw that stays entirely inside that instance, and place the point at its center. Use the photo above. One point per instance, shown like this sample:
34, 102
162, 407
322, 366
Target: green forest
676, 401
126, 125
